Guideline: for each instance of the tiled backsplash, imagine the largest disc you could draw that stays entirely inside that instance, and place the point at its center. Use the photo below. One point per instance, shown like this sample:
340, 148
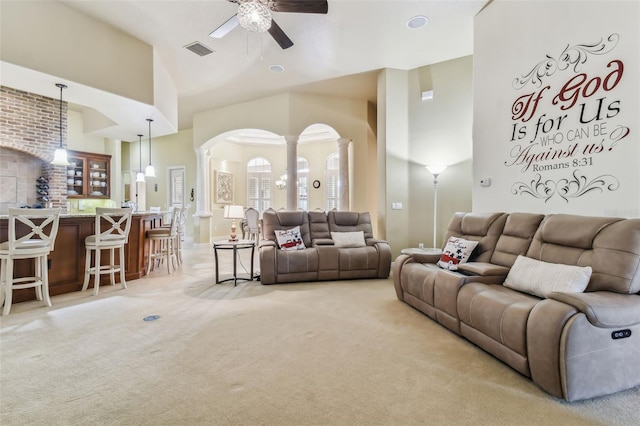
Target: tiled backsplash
18, 175
29, 134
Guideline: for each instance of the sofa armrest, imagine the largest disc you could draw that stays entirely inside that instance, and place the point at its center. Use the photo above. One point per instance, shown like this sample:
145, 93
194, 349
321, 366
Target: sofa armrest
374, 241
603, 308
322, 242
267, 243
384, 256
425, 258
268, 252
484, 269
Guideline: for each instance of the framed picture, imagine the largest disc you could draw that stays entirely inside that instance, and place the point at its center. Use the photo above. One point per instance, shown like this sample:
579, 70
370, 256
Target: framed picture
224, 187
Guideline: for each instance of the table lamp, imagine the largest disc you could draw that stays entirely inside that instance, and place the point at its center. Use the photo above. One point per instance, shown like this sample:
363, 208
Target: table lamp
233, 212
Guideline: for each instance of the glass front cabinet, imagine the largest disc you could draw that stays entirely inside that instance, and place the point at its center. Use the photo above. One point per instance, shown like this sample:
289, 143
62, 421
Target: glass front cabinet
88, 175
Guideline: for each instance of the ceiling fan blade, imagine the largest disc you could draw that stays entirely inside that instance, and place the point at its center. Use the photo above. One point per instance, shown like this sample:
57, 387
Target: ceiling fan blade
279, 36
300, 6
225, 28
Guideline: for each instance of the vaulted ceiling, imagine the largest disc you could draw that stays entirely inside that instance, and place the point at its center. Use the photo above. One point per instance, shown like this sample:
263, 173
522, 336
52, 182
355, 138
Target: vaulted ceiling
338, 53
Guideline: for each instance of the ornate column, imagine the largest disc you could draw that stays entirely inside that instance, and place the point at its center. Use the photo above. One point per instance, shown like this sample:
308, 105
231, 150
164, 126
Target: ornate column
292, 171
202, 217
343, 173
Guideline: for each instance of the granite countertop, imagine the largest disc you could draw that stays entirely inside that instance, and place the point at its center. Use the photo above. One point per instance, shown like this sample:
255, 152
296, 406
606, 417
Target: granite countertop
143, 213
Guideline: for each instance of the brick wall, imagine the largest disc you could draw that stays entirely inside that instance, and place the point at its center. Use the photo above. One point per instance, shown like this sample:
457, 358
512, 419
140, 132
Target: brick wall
30, 127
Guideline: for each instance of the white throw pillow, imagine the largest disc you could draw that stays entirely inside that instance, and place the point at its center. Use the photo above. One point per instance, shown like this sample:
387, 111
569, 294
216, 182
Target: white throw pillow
456, 252
290, 239
541, 278
348, 239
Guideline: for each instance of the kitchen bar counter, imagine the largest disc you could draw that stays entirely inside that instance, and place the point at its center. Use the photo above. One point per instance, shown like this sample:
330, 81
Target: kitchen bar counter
66, 262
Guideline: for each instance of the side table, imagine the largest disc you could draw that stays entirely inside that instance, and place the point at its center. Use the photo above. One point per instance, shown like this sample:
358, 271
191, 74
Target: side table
234, 246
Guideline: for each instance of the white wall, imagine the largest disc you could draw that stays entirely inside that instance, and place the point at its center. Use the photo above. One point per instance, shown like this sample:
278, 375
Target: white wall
76, 47
416, 133
522, 118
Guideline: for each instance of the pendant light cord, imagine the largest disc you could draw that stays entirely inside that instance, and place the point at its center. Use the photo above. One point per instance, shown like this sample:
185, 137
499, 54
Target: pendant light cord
149, 120
140, 153
61, 86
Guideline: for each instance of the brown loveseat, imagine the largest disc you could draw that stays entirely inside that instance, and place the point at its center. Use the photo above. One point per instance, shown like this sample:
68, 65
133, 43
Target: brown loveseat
574, 345
321, 259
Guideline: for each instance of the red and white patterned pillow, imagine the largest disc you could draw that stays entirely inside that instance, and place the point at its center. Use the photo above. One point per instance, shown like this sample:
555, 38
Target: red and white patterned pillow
457, 251
289, 239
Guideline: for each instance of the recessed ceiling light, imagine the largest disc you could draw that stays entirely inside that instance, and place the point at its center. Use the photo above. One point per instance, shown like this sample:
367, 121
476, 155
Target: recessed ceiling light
276, 68
417, 22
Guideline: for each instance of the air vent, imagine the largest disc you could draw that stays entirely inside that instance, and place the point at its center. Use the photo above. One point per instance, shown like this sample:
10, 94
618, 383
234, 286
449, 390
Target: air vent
199, 48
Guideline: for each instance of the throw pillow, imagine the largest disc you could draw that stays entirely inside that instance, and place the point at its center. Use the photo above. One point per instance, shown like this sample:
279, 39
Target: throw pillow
290, 239
541, 278
457, 251
348, 239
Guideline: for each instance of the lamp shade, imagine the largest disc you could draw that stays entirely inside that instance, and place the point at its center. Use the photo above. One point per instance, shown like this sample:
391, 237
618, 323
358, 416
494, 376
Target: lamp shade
60, 157
233, 212
150, 171
436, 169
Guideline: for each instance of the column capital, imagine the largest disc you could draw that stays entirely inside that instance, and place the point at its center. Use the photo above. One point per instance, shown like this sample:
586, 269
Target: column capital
292, 139
345, 141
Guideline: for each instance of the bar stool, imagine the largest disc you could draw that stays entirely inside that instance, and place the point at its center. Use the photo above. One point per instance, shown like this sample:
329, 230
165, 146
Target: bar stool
41, 227
111, 232
162, 243
181, 230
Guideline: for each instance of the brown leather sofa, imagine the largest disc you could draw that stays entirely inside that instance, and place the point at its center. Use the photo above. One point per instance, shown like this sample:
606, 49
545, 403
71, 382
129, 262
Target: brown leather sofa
572, 345
321, 259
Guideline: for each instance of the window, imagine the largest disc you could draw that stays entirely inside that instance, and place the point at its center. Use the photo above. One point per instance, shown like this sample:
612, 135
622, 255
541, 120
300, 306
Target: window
331, 194
176, 186
259, 184
303, 183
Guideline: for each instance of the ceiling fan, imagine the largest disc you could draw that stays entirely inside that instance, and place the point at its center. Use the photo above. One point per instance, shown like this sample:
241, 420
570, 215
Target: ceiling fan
255, 15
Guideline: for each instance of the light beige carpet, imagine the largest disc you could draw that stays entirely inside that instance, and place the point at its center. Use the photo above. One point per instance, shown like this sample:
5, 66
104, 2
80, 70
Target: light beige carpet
330, 353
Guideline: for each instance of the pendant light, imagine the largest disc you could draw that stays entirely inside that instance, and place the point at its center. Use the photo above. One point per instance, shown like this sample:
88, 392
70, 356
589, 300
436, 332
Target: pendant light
60, 156
140, 175
150, 171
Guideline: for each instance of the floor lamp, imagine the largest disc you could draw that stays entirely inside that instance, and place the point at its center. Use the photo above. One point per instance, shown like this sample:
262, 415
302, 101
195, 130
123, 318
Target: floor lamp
435, 171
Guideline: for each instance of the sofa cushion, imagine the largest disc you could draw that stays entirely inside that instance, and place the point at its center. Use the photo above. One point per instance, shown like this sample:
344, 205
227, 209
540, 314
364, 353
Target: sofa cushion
343, 221
289, 239
542, 278
297, 262
348, 239
497, 312
611, 246
516, 237
457, 251
482, 227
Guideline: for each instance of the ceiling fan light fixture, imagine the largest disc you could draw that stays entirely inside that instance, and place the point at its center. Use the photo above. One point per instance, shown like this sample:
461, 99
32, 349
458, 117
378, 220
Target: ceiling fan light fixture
254, 16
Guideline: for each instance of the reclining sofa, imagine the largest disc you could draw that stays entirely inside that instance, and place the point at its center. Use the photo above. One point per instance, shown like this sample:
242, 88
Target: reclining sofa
322, 258
573, 345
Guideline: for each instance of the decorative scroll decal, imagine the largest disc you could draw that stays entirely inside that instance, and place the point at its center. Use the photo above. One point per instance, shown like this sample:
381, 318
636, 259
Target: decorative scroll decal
574, 187
575, 55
